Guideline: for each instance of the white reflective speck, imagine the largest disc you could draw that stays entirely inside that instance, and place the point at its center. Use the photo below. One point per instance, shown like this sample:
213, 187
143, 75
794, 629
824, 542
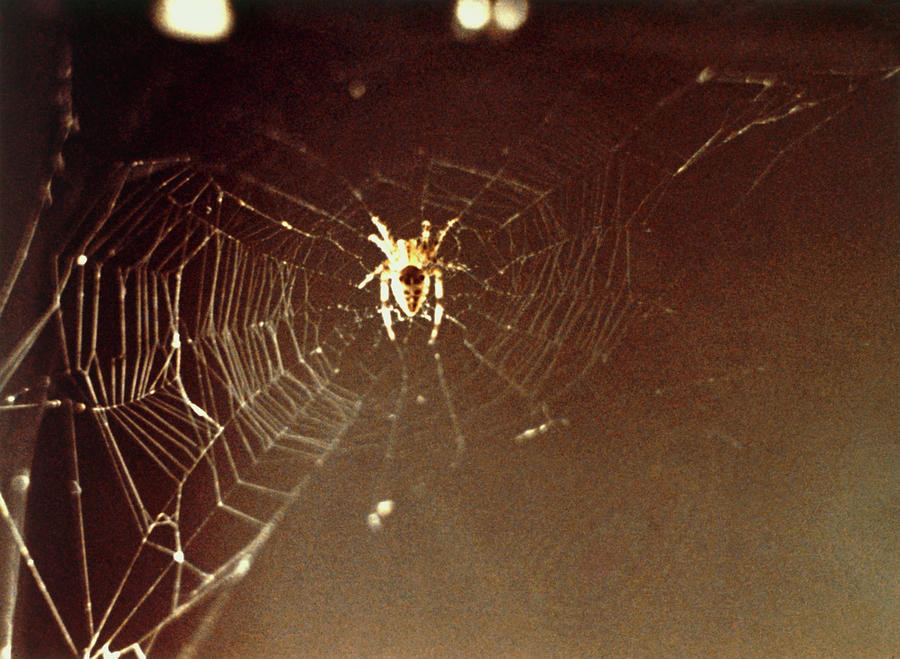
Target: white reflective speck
243, 566
199, 411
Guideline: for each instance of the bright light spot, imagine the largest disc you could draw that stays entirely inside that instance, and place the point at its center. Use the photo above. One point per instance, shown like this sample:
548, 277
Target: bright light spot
509, 15
81, 260
384, 508
178, 556
373, 521
199, 411
194, 20
176, 341
21, 482
11, 399
356, 88
473, 14
243, 566
706, 75
286, 225
525, 435
106, 653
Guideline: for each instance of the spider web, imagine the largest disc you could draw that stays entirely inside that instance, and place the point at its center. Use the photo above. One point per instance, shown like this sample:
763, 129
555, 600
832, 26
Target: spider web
216, 349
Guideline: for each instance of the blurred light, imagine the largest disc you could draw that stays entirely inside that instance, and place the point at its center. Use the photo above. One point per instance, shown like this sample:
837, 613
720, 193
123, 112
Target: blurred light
384, 508
510, 15
497, 18
356, 88
375, 519
194, 20
473, 14
21, 482
243, 566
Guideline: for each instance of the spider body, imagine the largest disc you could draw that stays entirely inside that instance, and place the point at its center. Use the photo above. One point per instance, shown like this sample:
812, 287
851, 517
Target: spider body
407, 272
410, 288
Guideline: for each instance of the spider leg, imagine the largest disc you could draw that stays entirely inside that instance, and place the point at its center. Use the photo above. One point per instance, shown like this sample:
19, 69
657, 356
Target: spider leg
383, 230
384, 246
371, 276
385, 309
444, 231
384, 241
438, 307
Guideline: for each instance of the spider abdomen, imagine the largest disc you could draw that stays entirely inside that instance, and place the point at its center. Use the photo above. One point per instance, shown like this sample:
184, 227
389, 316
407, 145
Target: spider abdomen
407, 272
410, 289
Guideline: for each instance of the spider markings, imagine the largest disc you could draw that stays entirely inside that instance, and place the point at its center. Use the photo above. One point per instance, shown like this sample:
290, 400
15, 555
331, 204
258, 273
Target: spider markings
407, 273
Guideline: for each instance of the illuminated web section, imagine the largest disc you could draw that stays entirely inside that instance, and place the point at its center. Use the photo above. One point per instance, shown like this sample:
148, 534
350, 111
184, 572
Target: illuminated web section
180, 338
217, 346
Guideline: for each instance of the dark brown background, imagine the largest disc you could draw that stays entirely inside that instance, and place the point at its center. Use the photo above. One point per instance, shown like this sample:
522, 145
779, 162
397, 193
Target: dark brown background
733, 489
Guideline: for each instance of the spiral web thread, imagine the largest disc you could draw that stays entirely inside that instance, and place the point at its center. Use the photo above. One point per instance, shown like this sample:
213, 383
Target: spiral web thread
217, 348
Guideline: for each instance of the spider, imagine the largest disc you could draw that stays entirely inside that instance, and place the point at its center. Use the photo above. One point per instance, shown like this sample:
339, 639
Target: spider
407, 273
